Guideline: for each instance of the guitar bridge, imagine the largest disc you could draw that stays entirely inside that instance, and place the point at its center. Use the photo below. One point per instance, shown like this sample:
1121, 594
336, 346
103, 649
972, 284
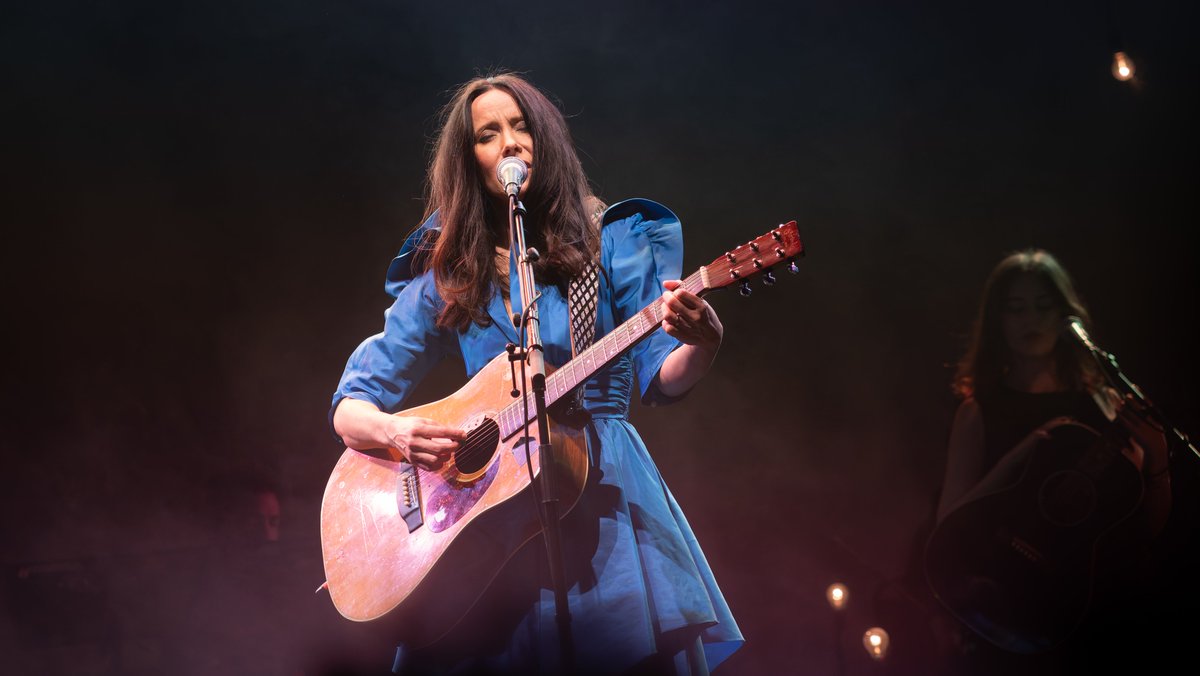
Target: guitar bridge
1025, 550
408, 497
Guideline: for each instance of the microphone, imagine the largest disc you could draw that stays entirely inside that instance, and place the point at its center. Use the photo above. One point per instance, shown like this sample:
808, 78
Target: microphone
511, 173
1112, 371
1073, 326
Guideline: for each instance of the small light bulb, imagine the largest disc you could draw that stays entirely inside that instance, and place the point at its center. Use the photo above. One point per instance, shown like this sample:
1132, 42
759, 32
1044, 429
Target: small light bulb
875, 640
837, 595
1122, 67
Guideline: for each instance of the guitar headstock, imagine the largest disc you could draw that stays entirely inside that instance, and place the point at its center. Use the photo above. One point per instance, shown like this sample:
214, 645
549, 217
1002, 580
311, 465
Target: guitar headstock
780, 246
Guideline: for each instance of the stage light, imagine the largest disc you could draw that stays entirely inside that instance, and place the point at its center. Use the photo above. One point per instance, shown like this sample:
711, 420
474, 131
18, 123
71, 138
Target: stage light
875, 640
837, 595
1122, 67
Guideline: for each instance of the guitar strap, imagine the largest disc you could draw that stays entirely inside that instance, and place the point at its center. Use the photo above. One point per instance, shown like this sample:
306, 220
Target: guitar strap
583, 294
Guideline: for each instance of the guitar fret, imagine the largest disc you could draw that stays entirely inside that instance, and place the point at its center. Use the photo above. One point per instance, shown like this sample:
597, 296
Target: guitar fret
578, 370
505, 424
524, 416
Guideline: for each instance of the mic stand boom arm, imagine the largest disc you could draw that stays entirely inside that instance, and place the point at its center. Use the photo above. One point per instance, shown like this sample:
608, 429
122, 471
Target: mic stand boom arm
1116, 378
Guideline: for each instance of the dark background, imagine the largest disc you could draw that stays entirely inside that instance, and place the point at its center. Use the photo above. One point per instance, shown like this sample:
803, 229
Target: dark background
200, 200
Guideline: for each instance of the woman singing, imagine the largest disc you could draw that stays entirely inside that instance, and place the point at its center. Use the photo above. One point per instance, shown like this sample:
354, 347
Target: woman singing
642, 597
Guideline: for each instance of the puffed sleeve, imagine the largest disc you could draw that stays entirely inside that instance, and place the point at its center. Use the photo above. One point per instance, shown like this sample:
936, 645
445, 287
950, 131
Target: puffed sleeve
644, 243
386, 366
417, 246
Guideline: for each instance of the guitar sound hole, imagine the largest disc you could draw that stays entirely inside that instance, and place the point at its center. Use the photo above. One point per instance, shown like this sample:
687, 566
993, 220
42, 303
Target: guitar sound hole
1067, 498
477, 449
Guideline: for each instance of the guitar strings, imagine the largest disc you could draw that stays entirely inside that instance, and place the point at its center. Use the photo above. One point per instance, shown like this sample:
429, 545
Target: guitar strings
471, 448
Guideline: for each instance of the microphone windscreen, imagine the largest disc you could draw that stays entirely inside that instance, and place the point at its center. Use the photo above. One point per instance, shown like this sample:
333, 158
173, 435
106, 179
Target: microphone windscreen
511, 171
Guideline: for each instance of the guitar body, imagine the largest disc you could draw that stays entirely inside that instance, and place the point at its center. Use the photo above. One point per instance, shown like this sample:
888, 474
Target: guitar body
1016, 565
427, 544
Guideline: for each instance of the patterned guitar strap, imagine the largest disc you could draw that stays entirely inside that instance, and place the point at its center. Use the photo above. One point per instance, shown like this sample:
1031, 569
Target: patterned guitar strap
583, 295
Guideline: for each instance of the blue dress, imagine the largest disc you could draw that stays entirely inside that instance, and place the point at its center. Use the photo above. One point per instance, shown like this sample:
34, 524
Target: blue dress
641, 592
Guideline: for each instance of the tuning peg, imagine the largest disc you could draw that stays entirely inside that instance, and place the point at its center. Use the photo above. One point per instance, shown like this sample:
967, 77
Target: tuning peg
792, 267
769, 278
744, 289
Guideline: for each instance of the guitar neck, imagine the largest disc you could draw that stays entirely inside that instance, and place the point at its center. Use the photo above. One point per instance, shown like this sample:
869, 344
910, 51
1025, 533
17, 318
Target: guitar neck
602, 353
757, 257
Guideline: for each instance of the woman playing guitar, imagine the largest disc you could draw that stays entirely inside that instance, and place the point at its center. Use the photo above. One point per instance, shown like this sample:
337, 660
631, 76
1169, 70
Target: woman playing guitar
1050, 477
642, 597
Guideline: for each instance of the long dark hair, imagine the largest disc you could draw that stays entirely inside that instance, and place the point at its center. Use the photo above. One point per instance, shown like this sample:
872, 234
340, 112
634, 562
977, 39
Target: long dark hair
556, 198
982, 367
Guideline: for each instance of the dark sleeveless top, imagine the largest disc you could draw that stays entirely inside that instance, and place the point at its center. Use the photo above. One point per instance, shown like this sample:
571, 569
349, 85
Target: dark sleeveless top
1010, 415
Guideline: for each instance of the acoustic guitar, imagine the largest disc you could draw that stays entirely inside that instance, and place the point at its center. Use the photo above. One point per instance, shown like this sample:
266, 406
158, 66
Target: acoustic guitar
426, 544
1017, 564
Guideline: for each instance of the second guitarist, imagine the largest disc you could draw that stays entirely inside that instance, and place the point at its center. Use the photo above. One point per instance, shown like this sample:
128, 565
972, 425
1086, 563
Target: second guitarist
1048, 473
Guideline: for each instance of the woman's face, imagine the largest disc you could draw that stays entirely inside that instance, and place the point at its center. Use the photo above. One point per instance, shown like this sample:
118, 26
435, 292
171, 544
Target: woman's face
500, 132
1031, 317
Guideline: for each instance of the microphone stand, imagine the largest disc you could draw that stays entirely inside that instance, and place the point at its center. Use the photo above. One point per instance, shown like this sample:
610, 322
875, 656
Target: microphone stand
1146, 408
533, 354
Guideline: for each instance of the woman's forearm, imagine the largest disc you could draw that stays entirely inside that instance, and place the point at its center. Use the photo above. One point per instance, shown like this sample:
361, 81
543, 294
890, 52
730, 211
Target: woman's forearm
360, 424
684, 367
